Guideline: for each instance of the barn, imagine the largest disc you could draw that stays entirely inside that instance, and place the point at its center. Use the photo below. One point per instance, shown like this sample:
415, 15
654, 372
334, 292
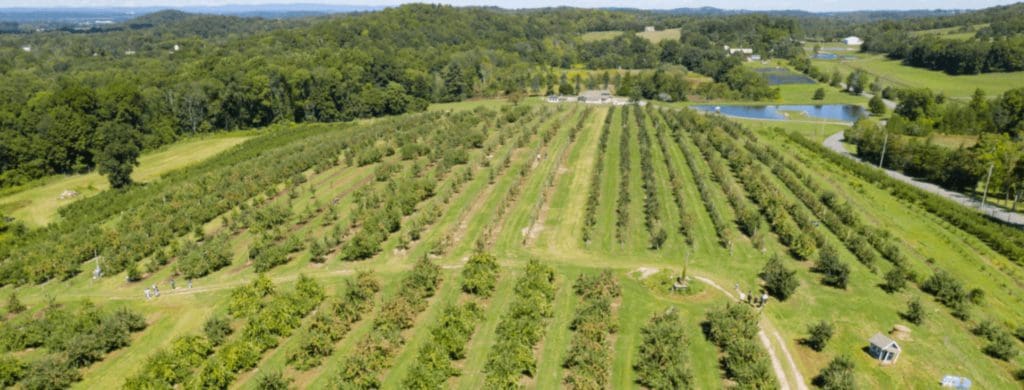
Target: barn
851, 40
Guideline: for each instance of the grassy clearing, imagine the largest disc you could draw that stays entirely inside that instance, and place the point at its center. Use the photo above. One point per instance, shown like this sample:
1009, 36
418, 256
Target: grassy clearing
895, 73
653, 36
953, 33
37, 204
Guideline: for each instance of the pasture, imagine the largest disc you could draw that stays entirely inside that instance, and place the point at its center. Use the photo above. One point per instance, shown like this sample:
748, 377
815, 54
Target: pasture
892, 72
568, 189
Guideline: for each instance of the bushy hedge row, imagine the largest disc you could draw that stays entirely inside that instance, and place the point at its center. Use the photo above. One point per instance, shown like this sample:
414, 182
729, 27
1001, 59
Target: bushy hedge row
593, 196
72, 338
173, 365
373, 354
447, 343
798, 238
663, 362
269, 315
333, 320
1000, 237
480, 275
652, 208
675, 181
521, 328
733, 328
588, 363
722, 228
748, 215
622, 207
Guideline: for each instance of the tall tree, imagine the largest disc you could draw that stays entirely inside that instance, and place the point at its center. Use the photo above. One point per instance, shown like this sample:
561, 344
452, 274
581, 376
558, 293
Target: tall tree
119, 153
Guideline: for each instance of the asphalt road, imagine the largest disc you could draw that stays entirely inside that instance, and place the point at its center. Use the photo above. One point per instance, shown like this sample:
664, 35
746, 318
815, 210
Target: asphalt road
835, 143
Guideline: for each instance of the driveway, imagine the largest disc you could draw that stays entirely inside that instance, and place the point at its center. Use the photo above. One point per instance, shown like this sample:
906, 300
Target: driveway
835, 142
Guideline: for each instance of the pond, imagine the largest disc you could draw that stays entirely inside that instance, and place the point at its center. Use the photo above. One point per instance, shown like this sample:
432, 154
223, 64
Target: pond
834, 112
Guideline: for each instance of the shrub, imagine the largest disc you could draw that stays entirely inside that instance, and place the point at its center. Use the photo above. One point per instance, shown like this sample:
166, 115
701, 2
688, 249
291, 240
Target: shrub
834, 272
779, 281
946, 289
915, 312
895, 280
11, 370
819, 94
272, 381
818, 335
480, 275
14, 305
50, 372
660, 365
837, 375
217, 329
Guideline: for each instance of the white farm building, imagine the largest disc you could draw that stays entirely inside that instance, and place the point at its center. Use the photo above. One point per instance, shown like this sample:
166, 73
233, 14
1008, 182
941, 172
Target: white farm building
854, 41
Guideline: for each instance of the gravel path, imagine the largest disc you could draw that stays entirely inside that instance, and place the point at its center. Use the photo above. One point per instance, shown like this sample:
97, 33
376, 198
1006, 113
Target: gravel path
766, 326
835, 142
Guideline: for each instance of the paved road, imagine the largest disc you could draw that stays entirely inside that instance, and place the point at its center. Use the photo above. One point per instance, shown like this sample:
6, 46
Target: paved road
835, 143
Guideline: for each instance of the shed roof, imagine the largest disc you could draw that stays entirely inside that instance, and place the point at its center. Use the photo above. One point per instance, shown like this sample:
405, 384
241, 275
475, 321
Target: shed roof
882, 341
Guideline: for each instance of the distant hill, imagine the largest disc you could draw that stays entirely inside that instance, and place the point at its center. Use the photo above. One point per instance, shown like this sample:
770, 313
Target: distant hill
120, 14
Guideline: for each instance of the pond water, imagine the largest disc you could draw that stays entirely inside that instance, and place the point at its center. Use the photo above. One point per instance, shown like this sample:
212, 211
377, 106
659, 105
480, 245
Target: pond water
834, 112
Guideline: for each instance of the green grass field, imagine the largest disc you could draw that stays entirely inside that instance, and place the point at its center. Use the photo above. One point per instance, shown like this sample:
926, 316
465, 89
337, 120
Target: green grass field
534, 209
653, 36
894, 73
953, 33
37, 205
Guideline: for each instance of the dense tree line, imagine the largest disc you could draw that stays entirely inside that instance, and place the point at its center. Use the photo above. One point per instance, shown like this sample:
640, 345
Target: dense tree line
622, 204
73, 336
675, 180
587, 364
333, 320
648, 183
373, 353
663, 363
521, 328
594, 194
733, 329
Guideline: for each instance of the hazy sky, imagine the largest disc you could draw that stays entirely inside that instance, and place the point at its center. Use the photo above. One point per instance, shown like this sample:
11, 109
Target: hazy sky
810, 5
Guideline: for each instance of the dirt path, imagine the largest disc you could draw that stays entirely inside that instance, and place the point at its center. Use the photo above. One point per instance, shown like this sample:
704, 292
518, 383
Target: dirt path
766, 327
835, 143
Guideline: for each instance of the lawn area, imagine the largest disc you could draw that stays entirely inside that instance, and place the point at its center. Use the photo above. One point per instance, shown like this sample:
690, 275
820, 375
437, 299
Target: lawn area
37, 204
894, 73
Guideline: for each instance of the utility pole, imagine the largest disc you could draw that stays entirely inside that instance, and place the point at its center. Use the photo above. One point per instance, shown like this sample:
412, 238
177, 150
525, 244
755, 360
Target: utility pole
885, 144
984, 196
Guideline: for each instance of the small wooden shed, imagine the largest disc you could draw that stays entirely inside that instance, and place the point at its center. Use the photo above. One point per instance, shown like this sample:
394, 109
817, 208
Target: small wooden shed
884, 349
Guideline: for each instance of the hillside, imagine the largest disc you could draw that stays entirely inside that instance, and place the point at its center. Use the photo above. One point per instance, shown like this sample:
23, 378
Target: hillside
422, 197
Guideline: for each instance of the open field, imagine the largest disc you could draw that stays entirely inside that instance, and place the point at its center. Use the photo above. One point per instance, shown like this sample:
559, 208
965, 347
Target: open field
654, 36
894, 73
37, 205
523, 184
951, 32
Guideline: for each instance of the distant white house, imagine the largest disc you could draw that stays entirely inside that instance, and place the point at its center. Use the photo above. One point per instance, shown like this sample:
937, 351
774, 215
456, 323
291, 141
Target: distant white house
854, 41
176, 47
26, 48
650, 29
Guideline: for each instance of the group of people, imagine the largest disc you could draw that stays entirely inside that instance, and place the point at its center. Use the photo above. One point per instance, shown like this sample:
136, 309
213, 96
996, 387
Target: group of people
751, 299
154, 291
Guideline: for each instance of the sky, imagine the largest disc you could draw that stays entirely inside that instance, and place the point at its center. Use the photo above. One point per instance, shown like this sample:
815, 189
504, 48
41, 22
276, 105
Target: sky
808, 5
